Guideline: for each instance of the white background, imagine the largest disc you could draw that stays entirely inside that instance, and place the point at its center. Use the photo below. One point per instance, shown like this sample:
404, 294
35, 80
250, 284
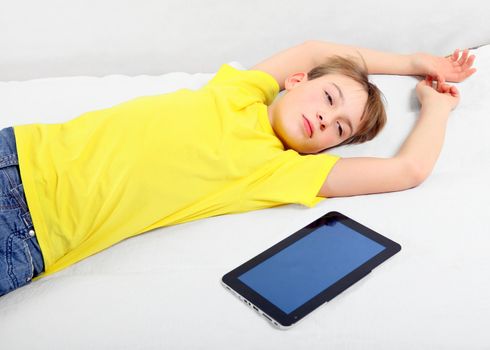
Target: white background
99, 37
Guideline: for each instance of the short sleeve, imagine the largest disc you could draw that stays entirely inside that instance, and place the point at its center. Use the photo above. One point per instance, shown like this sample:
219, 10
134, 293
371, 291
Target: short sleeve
246, 84
295, 179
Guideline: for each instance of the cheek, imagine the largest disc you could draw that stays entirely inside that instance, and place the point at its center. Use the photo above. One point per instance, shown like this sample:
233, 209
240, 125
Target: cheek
300, 100
309, 99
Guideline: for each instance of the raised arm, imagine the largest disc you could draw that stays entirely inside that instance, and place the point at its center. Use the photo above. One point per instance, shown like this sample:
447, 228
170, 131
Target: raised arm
414, 161
305, 56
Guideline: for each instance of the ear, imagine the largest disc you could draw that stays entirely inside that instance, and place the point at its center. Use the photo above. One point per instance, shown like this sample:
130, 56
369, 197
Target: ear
295, 79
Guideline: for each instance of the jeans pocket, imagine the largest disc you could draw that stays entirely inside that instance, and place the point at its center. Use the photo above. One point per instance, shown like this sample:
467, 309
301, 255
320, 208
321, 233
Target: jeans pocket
16, 260
19, 261
10, 188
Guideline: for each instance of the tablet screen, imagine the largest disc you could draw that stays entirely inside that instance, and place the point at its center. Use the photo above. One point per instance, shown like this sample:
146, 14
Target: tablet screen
304, 269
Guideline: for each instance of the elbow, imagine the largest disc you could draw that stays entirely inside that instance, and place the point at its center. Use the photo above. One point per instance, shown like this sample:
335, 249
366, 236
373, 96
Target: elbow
310, 46
310, 42
417, 174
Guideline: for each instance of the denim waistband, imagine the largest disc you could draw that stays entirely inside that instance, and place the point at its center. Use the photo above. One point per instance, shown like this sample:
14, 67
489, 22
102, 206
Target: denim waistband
8, 148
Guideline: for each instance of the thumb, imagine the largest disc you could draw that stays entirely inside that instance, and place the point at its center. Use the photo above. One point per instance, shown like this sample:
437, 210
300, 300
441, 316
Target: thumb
440, 82
428, 80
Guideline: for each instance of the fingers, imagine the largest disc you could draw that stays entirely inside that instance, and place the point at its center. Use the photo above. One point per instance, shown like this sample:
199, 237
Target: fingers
444, 88
429, 80
440, 87
439, 82
463, 58
449, 89
470, 61
463, 61
454, 91
462, 66
467, 73
455, 55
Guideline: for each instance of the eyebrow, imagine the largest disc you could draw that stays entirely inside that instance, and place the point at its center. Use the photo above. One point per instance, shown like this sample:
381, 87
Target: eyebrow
346, 120
340, 92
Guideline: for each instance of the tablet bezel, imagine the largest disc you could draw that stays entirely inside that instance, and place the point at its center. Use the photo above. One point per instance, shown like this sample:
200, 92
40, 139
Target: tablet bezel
286, 320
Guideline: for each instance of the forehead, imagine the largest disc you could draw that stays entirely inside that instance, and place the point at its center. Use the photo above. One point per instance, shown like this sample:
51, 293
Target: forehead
343, 81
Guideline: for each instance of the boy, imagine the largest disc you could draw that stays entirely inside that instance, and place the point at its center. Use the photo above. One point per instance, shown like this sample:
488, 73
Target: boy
228, 147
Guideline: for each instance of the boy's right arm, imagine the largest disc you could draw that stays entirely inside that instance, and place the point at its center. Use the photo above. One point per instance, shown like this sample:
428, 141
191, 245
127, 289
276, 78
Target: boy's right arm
414, 161
304, 57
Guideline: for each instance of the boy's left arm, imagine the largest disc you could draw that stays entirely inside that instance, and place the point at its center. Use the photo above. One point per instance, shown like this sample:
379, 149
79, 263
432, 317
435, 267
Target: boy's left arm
304, 57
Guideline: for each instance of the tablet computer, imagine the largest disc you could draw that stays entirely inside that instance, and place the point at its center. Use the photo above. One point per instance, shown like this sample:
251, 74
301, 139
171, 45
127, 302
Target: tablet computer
310, 267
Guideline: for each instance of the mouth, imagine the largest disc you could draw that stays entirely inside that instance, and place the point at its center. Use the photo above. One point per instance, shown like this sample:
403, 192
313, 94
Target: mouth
308, 127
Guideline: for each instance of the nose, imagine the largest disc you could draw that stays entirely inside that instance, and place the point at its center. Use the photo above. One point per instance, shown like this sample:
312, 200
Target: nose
322, 121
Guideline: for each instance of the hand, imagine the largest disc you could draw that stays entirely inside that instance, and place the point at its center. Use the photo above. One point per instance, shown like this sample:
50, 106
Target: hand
444, 95
443, 69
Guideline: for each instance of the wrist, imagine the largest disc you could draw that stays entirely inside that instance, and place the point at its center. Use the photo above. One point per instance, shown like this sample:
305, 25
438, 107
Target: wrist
416, 63
400, 64
435, 108
409, 64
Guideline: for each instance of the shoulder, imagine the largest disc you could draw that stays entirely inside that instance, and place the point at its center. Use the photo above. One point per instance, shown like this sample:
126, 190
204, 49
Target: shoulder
254, 82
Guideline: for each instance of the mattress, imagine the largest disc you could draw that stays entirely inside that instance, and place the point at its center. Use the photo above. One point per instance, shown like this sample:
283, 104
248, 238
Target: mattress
161, 289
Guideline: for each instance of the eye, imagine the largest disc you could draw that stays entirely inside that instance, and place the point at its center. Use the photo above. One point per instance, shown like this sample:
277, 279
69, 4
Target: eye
329, 98
340, 129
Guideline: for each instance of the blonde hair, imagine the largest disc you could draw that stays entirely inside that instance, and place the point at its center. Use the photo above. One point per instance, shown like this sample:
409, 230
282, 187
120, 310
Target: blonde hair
373, 117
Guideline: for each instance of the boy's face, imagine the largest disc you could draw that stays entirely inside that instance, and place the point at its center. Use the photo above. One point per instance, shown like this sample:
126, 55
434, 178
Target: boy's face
307, 120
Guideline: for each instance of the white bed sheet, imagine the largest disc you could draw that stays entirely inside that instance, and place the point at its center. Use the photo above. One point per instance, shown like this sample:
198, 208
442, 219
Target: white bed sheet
161, 290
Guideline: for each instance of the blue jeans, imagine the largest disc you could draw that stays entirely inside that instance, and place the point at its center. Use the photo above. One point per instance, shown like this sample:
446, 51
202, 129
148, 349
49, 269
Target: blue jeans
20, 256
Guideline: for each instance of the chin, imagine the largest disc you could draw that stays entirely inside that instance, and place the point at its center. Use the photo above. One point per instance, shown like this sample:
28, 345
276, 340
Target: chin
297, 146
295, 143
309, 150
303, 149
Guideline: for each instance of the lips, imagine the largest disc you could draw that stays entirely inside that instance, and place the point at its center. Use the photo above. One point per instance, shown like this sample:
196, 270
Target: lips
308, 127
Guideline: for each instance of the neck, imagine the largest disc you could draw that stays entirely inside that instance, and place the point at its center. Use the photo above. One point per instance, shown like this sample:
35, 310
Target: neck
270, 111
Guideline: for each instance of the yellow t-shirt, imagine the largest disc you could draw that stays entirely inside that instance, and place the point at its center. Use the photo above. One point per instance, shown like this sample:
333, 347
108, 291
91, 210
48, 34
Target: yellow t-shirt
160, 160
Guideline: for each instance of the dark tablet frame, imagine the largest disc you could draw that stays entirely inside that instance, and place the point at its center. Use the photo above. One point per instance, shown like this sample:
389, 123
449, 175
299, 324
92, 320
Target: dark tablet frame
278, 317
